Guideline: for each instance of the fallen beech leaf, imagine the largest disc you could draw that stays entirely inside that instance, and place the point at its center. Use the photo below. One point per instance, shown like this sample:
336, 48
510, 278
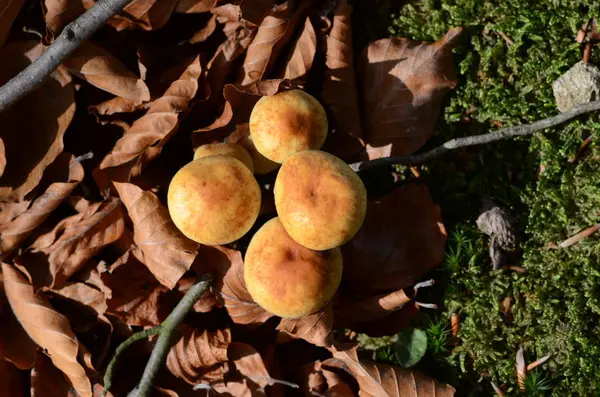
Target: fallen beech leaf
117, 105
15, 345
315, 328
9, 9
255, 11
144, 140
204, 33
59, 13
303, 53
404, 83
320, 381
84, 294
66, 173
49, 329
161, 246
47, 381
383, 380
136, 298
402, 238
242, 388
195, 6
339, 86
349, 312
41, 137
12, 381
200, 355
55, 256
249, 363
272, 35
144, 14
102, 70
230, 283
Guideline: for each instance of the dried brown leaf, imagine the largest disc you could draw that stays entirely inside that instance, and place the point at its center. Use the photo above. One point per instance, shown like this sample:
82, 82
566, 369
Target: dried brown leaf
242, 388
104, 71
84, 294
41, 137
303, 54
136, 298
49, 329
9, 9
320, 381
59, 13
200, 355
12, 381
117, 105
195, 6
402, 238
249, 363
144, 140
204, 33
271, 36
47, 381
15, 345
315, 328
255, 11
383, 380
404, 83
230, 283
349, 312
2, 157
161, 246
55, 256
66, 173
144, 14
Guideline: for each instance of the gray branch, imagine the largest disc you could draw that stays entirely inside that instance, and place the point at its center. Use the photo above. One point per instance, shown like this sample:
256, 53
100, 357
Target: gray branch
504, 133
68, 41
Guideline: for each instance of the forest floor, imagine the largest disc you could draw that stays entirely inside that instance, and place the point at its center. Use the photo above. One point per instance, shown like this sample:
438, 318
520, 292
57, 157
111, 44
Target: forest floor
511, 53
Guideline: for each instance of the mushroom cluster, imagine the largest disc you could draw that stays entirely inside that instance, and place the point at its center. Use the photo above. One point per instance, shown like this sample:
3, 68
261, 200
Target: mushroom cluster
293, 264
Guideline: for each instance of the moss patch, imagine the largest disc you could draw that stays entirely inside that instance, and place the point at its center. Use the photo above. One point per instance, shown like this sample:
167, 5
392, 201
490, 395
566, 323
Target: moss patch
556, 303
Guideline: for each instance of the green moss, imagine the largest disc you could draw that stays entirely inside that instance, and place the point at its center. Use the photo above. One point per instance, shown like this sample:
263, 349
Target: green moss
556, 303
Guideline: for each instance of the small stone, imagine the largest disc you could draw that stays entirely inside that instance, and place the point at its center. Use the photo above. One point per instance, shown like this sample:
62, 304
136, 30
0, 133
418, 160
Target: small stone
580, 84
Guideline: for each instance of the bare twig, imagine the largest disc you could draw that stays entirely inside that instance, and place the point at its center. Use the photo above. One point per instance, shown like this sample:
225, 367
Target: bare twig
498, 390
579, 236
166, 335
505, 37
504, 133
67, 42
581, 148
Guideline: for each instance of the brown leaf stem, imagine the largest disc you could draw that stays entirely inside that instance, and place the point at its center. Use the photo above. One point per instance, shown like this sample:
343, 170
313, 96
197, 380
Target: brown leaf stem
69, 40
166, 335
504, 133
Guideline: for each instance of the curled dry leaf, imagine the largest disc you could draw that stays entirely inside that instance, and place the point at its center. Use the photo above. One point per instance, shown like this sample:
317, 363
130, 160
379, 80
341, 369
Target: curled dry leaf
55, 256
272, 35
41, 137
200, 355
66, 173
242, 388
9, 9
12, 381
401, 239
255, 11
384, 380
144, 140
49, 329
16, 346
249, 363
144, 14
104, 71
229, 281
339, 86
315, 328
166, 252
303, 53
59, 13
349, 312
320, 381
195, 6
117, 105
47, 381
2, 157
204, 33
404, 83
135, 296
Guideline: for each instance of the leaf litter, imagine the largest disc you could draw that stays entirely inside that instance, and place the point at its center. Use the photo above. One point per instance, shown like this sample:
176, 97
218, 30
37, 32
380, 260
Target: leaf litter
89, 250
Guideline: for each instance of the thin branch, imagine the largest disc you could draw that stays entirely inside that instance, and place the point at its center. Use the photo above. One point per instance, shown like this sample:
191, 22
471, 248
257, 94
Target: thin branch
108, 376
167, 337
71, 37
504, 133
